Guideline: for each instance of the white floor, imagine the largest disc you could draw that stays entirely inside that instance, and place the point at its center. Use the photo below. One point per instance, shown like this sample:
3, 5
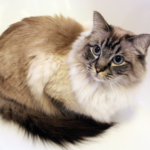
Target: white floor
133, 132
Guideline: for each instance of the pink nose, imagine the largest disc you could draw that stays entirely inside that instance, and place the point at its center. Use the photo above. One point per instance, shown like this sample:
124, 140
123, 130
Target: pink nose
98, 70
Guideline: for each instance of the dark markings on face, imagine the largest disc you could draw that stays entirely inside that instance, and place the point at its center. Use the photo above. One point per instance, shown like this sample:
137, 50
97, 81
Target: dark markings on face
107, 42
88, 54
102, 42
115, 44
141, 58
129, 63
120, 70
112, 42
118, 50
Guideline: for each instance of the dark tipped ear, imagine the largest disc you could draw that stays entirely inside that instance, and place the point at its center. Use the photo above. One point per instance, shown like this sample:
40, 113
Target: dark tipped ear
142, 42
99, 22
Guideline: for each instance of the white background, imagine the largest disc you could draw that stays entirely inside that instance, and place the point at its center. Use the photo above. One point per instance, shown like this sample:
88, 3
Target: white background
133, 133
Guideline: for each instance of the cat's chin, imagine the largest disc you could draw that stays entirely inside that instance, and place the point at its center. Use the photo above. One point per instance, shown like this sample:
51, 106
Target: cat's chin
97, 78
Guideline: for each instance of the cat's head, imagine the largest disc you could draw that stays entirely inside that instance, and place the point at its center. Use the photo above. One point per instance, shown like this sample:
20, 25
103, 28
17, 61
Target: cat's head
110, 54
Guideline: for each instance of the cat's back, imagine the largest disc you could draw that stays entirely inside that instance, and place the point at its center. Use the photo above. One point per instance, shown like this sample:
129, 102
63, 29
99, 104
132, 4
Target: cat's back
33, 39
58, 31
33, 36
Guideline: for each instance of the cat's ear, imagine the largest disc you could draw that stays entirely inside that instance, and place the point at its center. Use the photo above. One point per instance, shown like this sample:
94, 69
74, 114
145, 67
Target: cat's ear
99, 22
142, 42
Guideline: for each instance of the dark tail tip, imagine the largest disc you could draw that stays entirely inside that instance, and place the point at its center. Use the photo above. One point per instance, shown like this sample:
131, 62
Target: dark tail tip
57, 130
61, 131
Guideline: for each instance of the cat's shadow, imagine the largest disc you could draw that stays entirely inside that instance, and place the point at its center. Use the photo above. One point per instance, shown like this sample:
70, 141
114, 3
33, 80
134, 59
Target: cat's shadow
124, 115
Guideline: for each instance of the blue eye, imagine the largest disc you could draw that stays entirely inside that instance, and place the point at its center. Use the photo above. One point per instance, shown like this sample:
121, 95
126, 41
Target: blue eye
118, 59
96, 50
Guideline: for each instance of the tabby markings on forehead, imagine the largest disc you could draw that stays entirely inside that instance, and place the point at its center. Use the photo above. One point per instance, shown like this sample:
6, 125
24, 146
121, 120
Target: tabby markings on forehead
112, 43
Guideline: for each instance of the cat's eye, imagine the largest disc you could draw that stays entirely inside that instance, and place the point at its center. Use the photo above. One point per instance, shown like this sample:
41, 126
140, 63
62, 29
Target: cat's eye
118, 59
96, 50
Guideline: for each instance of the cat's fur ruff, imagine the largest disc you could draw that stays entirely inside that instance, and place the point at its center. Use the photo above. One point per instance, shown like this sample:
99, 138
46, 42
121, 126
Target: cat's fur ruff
47, 85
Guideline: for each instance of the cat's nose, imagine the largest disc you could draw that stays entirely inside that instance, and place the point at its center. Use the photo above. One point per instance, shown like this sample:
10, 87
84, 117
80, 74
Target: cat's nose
101, 65
98, 70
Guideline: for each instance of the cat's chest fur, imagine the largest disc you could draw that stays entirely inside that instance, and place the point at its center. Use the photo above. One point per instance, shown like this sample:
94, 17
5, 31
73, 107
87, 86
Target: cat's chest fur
96, 99
98, 102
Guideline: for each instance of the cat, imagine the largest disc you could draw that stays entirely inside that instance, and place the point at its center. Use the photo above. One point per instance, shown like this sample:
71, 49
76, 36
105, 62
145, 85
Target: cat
61, 82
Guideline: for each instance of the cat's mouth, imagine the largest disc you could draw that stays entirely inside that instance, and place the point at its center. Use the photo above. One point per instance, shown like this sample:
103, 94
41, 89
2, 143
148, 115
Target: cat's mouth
97, 78
98, 75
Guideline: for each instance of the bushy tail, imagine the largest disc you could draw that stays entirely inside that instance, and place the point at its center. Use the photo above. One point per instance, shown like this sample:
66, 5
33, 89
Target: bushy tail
58, 130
